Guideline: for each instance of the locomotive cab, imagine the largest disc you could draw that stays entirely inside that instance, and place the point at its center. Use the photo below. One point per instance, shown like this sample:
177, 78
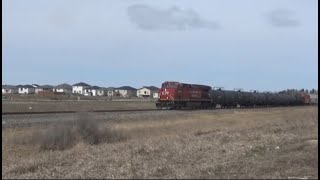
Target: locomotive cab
167, 94
175, 95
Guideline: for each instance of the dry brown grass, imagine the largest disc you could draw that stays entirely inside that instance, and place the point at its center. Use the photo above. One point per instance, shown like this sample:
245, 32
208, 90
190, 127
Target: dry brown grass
38, 106
261, 143
61, 136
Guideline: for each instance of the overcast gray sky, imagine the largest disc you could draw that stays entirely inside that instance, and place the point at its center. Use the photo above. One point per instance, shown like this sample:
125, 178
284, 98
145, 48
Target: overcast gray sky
250, 44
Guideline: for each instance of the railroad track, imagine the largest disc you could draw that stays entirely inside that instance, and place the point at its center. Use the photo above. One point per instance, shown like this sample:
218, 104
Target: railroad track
70, 112
124, 110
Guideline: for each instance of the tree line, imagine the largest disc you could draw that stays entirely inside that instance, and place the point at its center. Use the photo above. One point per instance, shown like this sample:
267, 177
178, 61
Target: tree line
312, 91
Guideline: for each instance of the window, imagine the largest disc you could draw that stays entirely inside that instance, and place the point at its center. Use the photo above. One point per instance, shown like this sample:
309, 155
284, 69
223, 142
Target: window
145, 92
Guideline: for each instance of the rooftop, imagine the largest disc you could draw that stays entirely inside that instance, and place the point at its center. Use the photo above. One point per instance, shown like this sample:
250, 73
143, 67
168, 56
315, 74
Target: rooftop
81, 84
25, 86
126, 88
152, 88
8, 86
64, 86
46, 87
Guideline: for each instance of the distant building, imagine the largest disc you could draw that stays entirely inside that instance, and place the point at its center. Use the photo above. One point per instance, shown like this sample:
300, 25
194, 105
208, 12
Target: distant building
125, 91
63, 89
148, 91
102, 91
314, 98
9, 89
26, 89
110, 91
46, 88
155, 95
79, 88
94, 91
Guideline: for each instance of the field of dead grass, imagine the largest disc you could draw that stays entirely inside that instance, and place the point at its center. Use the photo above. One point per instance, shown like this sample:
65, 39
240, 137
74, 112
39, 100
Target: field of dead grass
241, 143
42, 106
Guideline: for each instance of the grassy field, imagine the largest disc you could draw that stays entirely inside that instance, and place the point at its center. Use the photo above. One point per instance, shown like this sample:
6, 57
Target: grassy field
241, 143
41, 106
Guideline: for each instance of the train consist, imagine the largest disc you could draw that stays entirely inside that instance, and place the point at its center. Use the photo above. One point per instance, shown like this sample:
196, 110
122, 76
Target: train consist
175, 95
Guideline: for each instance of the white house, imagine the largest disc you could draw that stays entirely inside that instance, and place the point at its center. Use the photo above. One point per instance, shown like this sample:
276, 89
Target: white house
146, 91
9, 89
94, 91
125, 91
26, 89
109, 91
314, 98
79, 88
155, 95
63, 89
43, 88
143, 92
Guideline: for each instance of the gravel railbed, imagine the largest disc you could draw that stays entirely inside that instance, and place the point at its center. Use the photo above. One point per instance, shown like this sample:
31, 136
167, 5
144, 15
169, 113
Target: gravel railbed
26, 120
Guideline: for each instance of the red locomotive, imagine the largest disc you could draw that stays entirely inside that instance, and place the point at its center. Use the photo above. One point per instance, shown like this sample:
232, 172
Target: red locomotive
175, 95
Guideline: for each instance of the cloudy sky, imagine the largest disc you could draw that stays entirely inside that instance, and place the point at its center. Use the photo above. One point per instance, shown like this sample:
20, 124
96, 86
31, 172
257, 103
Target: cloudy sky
249, 44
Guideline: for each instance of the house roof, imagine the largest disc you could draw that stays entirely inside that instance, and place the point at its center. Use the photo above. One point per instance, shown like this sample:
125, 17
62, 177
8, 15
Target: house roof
46, 87
152, 88
25, 86
8, 87
81, 84
126, 88
93, 87
64, 86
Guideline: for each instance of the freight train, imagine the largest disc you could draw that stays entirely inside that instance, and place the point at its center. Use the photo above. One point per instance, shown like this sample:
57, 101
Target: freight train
175, 95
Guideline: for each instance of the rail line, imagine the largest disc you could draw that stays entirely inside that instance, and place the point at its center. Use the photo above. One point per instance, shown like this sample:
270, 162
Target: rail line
128, 110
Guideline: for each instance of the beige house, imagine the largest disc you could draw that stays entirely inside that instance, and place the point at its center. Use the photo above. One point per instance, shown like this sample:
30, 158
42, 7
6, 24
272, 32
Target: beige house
314, 98
43, 88
125, 91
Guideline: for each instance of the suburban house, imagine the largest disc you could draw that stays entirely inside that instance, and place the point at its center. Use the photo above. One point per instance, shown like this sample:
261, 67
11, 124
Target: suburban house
79, 87
44, 88
146, 91
125, 91
26, 89
314, 98
101, 91
94, 91
63, 89
155, 95
110, 91
9, 89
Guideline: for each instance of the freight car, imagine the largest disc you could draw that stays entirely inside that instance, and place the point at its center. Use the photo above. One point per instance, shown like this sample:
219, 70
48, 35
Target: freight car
175, 95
